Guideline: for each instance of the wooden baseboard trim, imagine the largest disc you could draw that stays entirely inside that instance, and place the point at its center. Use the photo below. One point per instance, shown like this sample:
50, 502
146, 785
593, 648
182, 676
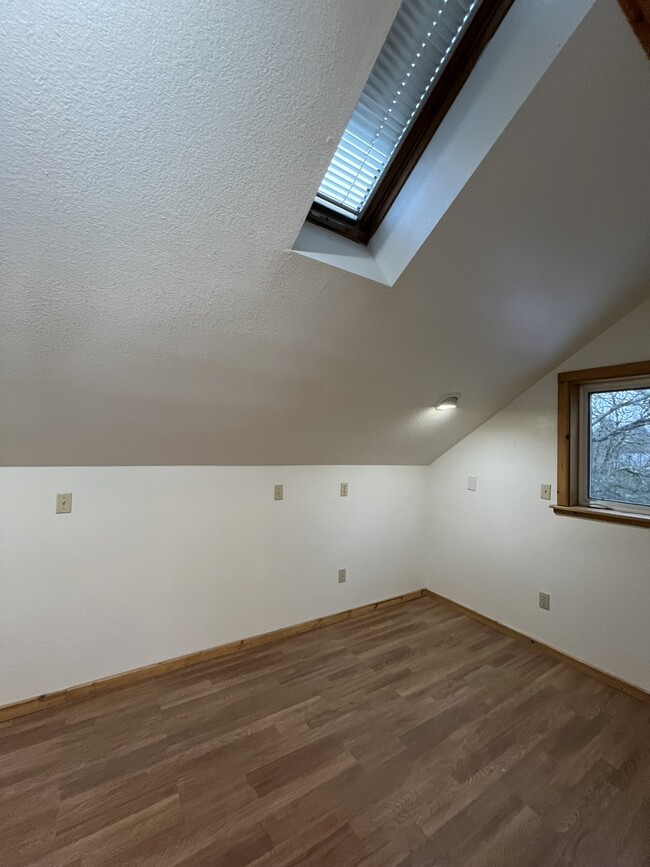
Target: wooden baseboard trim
107, 684
77, 693
603, 676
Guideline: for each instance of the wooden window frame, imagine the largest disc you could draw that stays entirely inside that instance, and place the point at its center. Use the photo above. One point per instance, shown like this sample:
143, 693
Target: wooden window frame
480, 31
568, 441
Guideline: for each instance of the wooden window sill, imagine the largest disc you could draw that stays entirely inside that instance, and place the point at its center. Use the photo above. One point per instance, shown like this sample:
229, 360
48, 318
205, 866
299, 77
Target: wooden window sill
603, 515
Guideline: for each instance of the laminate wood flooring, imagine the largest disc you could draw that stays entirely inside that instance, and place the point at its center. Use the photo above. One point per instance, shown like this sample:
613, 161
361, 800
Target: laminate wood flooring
411, 737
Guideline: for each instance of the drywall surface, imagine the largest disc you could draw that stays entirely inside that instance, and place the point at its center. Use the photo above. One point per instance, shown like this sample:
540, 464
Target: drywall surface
493, 550
154, 562
320, 244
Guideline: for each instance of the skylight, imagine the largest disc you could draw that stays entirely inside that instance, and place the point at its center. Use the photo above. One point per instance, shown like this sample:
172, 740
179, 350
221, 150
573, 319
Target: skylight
421, 40
429, 53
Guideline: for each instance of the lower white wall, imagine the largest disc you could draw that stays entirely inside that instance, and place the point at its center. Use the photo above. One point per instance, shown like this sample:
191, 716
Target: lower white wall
155, 562
495, 549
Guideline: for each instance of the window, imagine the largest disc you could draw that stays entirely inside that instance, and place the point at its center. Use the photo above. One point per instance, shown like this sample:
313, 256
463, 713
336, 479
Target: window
604, 443
428, 54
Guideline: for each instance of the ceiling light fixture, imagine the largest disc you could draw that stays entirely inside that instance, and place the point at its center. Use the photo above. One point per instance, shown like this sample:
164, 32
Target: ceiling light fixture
449, 401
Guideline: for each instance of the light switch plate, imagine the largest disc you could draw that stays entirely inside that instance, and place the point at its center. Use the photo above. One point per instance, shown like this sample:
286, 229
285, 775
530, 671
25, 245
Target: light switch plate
278, 492
63, 504
471, 483
344, 489
545, 492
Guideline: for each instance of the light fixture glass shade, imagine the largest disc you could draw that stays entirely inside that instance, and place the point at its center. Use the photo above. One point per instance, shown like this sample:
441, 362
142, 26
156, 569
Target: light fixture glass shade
449, 401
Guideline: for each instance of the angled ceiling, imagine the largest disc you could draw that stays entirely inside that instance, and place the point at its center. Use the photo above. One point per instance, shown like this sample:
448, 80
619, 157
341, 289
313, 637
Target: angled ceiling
157, 163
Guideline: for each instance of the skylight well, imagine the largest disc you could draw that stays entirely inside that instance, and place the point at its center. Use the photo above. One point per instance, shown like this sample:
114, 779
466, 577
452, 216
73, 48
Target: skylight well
419, 63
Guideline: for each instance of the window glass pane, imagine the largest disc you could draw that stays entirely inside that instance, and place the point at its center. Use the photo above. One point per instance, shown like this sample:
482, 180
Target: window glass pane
619, 446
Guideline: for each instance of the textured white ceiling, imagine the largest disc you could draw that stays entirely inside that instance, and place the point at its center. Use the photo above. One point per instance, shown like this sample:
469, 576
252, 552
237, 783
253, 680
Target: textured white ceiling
157, 162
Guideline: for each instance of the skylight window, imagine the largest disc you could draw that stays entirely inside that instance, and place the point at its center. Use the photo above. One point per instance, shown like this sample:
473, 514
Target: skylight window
418, 44
427, 56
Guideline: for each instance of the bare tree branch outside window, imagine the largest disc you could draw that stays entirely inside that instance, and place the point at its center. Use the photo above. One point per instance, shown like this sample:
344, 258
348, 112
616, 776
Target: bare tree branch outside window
619, 446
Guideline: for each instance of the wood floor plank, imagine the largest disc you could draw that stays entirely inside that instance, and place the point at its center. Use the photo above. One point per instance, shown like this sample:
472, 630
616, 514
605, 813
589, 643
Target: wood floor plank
412, 736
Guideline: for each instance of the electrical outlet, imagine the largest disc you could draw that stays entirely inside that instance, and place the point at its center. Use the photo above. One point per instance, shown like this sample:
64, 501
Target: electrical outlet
278, 492
344, 489
342, 576
545, 601
63, 504
471, 483
545, 492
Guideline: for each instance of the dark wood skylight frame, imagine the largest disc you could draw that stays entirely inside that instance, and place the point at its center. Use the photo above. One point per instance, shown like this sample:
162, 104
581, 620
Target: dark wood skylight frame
480, 31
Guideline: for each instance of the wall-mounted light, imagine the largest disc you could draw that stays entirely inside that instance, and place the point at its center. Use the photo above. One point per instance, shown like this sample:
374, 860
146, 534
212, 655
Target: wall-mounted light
449, 401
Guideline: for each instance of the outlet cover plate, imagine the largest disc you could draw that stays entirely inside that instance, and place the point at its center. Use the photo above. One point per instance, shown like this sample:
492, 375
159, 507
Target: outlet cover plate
342, 576
344, 489
278, 492
471, 483
545, 601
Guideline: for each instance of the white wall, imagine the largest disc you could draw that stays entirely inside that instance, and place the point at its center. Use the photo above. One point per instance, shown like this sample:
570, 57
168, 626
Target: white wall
494, 549
155, 562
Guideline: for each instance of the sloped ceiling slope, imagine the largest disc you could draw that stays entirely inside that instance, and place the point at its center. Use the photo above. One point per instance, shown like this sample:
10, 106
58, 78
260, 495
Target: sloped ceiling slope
157, 162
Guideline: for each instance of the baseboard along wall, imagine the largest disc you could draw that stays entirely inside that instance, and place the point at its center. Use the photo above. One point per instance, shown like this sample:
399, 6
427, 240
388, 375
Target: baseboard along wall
609, 679
75, 694
127, 678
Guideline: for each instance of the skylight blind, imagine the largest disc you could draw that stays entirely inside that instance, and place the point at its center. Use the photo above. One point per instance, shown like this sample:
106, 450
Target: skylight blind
420, 41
